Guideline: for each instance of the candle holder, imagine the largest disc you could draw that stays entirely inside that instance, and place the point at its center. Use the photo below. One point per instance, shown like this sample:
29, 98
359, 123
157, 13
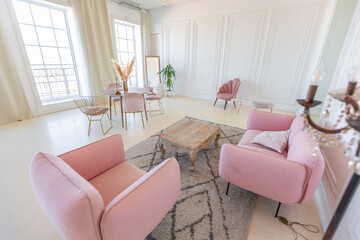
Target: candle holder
349, 98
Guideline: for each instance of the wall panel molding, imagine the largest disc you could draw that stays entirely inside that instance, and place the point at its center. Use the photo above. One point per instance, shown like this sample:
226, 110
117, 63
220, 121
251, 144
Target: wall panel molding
243, 40
205, 65
276, 62
177, 53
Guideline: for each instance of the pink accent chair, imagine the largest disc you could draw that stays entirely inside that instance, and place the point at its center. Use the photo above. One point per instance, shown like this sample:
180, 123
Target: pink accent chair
133, 103
290, 177
228, 91
93, 193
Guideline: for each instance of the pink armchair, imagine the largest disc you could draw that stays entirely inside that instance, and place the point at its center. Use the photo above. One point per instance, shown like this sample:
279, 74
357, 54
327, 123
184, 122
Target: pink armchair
290, 177
228, 91
93, 193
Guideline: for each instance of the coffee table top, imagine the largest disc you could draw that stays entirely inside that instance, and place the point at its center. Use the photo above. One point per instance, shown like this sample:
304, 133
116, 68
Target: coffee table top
190, 134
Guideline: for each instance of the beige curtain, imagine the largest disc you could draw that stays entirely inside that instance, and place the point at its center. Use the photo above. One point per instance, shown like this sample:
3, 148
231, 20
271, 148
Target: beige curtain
93, 22
13, 103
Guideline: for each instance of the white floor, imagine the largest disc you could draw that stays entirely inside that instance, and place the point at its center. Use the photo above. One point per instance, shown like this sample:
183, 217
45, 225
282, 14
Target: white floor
21, 216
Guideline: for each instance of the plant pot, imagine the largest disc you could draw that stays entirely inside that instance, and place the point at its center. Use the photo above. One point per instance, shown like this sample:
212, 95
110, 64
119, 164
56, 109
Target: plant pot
168, 93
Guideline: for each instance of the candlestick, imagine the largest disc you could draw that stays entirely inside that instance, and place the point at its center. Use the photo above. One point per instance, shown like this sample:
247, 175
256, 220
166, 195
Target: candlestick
311, 93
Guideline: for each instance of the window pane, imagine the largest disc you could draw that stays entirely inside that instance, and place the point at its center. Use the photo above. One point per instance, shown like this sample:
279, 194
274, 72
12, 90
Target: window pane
40, 76
131, 46
28, 34
46, 36
44, 91
23, 13
70, 74
41, 16
65, 55
130, 33
123, 45
34, 55
124, 58
51, 55
58, 89
73, 88
122, 31
62, 38
130, 56
55, 75
58, 19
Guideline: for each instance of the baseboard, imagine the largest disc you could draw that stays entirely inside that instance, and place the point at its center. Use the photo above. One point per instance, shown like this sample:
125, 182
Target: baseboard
246, 102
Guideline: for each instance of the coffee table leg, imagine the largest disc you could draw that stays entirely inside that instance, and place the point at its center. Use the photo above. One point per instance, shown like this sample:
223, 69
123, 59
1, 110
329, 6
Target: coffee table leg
161, 146
192, 160
216, 142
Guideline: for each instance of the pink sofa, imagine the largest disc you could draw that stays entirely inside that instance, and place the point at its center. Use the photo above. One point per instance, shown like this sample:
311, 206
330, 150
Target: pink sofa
93, 193
290, 177
228, 91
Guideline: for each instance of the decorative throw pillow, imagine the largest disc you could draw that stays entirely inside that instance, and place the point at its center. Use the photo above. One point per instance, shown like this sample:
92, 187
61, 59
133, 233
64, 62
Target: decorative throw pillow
274, 140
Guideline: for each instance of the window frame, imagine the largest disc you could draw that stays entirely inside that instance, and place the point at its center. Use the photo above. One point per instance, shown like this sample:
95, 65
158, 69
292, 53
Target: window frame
64, 9
133, 25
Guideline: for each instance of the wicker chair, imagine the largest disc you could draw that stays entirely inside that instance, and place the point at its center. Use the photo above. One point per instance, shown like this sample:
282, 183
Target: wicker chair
160, 92
93, 106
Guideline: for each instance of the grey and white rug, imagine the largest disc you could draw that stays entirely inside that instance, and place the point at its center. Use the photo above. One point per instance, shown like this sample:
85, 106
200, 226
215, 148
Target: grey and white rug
202, 211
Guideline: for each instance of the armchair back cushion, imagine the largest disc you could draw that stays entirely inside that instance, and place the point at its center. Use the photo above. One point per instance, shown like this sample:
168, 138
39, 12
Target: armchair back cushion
85, 160
297, 125
73, 205
229, 90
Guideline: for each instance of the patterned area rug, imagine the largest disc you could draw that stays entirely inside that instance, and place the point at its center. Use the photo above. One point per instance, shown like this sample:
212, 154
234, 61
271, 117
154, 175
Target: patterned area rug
202, 211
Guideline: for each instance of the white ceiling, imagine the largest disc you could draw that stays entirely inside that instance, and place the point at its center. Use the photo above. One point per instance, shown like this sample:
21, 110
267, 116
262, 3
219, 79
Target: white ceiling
149, 4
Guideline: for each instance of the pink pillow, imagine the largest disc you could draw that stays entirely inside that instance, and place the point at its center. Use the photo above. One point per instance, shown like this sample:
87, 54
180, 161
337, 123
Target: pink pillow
274, 140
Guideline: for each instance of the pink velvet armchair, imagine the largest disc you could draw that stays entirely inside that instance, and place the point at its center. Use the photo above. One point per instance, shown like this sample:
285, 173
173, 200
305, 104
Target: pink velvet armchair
290, 177
93, 193
228, 91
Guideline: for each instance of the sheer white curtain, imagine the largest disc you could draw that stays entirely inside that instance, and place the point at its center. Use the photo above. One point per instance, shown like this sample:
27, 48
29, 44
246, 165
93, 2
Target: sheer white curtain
93, 23
13, 103
145, 40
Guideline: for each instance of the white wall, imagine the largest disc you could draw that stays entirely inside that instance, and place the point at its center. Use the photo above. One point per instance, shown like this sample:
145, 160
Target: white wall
267, 44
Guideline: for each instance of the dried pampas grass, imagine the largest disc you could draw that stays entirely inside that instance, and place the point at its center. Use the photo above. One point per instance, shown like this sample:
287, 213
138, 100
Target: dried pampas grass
124, 72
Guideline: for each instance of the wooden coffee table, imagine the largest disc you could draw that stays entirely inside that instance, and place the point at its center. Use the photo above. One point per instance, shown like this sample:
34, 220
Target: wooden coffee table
189, 137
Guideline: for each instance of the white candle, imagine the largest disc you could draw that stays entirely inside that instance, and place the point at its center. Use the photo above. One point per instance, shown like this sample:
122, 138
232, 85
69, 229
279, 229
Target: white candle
315, 78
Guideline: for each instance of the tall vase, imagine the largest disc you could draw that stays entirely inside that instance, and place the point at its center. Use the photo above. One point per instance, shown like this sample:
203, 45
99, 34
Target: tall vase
126, 88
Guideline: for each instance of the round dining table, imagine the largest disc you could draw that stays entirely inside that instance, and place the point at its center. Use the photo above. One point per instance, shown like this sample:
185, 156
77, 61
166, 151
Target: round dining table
111, 94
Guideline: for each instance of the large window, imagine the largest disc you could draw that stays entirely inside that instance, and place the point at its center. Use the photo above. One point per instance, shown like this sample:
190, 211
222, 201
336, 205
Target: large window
126, 46
45, 32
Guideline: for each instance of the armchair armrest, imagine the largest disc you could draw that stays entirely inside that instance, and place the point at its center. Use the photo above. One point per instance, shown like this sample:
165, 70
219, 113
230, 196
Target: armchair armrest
267, 121
274, 177
97, 157
134, 213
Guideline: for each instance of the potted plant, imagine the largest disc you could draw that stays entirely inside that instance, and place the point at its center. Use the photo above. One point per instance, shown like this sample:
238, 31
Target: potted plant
168, 74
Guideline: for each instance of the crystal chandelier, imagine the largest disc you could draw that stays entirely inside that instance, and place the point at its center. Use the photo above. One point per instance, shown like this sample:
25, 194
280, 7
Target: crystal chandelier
332, 137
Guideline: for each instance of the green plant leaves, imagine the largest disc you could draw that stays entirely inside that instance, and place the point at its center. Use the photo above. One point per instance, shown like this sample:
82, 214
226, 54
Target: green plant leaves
168, 73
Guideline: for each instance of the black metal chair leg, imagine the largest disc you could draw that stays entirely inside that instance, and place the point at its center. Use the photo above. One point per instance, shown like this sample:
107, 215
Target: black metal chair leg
227, 189
277, 210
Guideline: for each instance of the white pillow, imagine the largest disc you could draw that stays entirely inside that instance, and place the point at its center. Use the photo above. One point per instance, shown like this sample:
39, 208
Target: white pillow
274, 140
